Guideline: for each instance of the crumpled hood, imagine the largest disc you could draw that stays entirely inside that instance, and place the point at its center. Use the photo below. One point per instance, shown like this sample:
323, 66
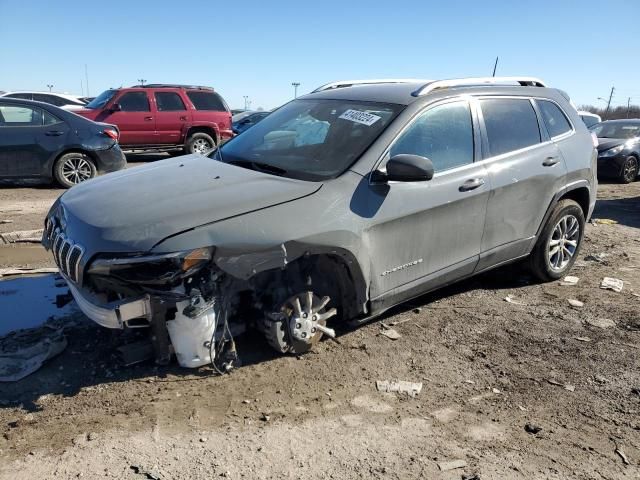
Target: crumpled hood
134, 209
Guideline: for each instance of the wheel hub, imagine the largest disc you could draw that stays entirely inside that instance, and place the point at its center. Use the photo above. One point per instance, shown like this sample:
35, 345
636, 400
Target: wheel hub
564, 242
307, 323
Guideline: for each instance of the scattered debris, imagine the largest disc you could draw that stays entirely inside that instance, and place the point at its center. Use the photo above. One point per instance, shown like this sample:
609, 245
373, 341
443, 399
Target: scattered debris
614, 284
3, 222
470, 382
571, 388
522, 408
583, 339
141, 471
604, 221
452, 465
570, 280
470, 476
635, 391
417, 310
575, 303
26, 271
412, 389
496, 391
621, 454
600, 322
23, 236
532, 429
22, 352
509, 299
600, 379
391, 333
265, 418
136, 352
597, 257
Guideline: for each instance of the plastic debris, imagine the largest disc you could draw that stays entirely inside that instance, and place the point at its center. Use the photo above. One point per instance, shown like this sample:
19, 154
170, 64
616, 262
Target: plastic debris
391, 333
570, 280
583, 339
23, 236
597, 257
412, 389
622, 455
604, 221
532, 429
575, 303
601, 322
26, 271
510, 299
452, 465
24, 351
609, 283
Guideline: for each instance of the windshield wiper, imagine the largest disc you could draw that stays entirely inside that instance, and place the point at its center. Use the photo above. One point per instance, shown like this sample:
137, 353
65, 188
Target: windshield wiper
259, 166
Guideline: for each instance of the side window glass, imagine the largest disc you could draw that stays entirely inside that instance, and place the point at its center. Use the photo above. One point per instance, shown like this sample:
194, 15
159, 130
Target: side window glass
511, 124
18, 115
50, 119
169, 102
24, 96
554, 119
444, 134
134, 102
206, 101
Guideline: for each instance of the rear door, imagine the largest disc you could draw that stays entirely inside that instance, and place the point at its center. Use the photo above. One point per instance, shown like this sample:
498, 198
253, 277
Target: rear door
525, 168
172, 117
29, 137
135, 119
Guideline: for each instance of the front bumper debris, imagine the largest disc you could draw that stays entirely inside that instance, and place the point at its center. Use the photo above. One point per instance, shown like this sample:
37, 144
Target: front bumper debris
116, 314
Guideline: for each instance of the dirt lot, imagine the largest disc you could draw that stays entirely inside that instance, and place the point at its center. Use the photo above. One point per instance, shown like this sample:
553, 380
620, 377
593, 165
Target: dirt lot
489, 368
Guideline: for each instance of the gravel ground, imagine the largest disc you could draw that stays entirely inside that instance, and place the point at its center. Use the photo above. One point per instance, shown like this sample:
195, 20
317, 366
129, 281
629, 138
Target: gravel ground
534, 388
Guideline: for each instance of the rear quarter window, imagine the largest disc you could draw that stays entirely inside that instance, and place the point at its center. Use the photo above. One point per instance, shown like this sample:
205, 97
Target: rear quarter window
511, 124
554, 119
207, 101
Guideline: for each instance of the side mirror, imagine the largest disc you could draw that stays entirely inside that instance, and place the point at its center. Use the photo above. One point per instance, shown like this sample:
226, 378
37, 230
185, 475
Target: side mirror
115, 107
406, 168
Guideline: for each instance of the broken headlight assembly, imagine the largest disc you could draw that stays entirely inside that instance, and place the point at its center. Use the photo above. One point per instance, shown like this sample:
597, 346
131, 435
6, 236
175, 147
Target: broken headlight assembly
160, 269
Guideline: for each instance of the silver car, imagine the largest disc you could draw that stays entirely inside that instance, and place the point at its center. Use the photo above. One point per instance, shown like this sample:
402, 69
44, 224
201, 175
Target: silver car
336, 207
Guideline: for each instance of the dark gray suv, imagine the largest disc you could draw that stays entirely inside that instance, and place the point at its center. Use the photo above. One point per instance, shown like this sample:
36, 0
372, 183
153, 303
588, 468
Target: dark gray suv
342, 203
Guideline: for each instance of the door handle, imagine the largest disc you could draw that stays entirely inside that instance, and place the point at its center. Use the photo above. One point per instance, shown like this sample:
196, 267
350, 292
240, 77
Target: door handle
54, 133
471, 184
148, 119
550, 161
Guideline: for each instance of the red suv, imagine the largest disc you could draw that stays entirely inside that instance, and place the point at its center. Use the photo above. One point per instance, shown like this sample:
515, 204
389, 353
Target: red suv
164, 117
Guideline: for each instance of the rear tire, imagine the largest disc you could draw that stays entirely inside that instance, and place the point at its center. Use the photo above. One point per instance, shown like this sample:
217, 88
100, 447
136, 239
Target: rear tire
559, 243
629, 170
200, 143
73, 168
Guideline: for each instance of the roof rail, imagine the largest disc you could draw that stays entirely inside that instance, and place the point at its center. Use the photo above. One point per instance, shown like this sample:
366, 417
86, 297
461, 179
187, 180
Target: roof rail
477, 81
171, 85
350, 83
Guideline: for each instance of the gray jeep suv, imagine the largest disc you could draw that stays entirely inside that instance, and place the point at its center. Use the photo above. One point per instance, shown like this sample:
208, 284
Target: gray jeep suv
341, 203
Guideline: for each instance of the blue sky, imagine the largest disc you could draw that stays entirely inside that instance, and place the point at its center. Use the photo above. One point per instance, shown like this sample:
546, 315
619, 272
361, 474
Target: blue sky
257, 48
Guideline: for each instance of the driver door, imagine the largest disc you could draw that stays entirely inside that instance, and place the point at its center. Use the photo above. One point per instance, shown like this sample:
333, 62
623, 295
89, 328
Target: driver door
428, 233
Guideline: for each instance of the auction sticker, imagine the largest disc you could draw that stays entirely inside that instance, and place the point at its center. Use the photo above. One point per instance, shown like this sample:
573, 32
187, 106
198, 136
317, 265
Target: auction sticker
357, 116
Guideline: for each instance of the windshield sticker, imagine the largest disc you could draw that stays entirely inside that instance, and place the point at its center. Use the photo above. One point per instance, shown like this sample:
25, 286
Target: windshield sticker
357, 116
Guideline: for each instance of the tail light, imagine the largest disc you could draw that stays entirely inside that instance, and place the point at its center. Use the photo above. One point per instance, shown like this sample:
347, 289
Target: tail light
111, 133
594, 139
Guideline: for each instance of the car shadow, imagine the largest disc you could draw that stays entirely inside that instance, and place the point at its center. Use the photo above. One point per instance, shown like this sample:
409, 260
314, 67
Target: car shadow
142, 157
625, 211
37, 183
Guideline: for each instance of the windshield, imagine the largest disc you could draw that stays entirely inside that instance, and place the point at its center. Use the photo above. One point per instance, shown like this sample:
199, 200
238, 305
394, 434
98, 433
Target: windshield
101, 100
309, 139
616, 130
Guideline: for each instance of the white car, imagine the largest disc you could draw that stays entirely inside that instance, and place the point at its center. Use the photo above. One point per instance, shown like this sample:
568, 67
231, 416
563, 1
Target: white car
589, 119
68, 102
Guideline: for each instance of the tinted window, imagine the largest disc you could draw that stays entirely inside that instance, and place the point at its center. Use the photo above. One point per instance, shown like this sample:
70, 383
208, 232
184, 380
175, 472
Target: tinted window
617, 129
554, 119
588, 120
25, 96
444, 134
19, 115
102, 99
207, 101
50, 99
169, 102
511, 124
50, 119
134, 102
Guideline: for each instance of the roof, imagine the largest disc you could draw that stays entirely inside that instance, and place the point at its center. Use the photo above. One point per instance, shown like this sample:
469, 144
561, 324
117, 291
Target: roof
62, 95
623, 120
172, 85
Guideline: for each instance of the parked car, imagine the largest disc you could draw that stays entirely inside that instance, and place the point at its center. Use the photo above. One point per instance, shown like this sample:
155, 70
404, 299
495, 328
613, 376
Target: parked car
41, 140
248, 121
163, 117
618, 149
337, 206
58, 99
589, 119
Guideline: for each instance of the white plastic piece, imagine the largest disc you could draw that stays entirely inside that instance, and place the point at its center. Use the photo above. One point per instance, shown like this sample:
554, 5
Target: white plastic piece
190, 337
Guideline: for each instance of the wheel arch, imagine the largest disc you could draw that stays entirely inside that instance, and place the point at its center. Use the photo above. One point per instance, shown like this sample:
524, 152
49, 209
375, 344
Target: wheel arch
91, 155
208, 129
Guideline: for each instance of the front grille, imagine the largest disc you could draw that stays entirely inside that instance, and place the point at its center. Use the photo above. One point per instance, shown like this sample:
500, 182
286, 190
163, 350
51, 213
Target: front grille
66, 254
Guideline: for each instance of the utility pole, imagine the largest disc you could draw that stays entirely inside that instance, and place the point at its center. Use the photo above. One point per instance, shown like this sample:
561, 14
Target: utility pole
81, 88
610, 98
246, 102
86, 77
628, 106
49, 86
142, 81
295, 86
495, 65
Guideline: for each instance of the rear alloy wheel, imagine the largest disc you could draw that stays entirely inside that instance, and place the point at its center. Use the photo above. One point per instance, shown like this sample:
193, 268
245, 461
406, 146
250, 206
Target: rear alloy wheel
629, 170
559, 242
299, 323
200, 143
73, 168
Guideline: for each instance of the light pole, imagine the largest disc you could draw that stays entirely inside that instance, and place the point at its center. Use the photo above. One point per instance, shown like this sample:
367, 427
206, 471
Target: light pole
246, 102
50, 86
142, 81
295, 86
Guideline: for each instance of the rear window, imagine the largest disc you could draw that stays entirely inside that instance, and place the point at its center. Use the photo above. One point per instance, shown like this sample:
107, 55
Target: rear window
207, 101
588, 120
554, 119
511, 124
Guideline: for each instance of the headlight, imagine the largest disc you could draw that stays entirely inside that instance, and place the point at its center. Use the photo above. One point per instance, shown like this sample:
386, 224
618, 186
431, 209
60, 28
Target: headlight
612, 152
152, 269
